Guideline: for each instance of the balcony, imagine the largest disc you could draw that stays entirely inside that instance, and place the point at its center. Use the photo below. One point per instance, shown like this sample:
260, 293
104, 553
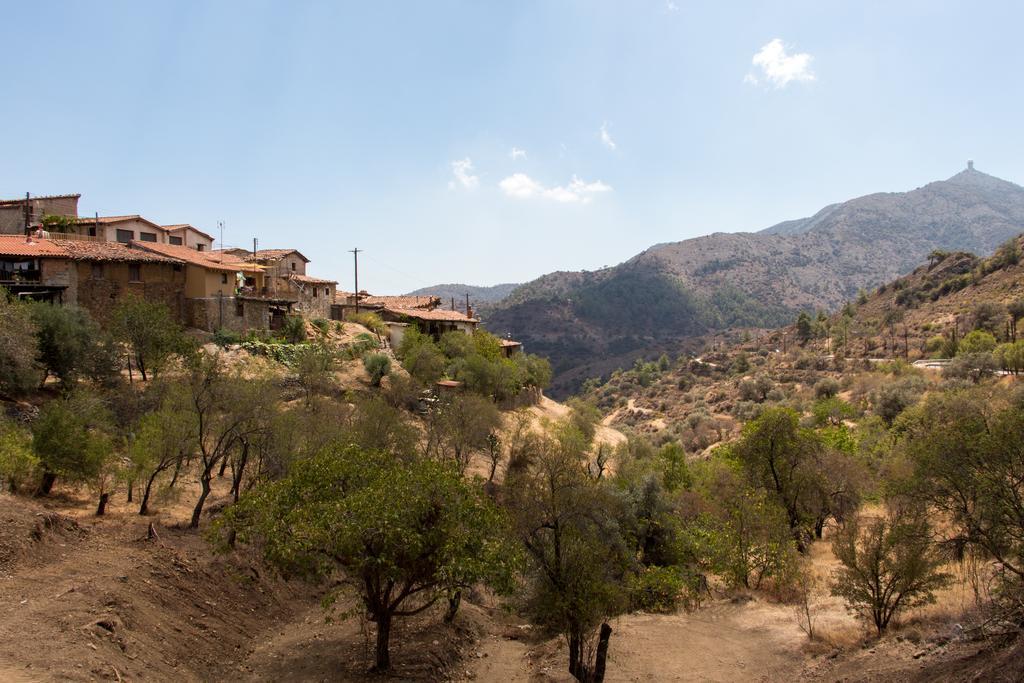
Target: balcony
74, 236
21, 275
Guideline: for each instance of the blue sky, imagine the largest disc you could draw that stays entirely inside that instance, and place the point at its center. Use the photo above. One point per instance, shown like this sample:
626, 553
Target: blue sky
486, 142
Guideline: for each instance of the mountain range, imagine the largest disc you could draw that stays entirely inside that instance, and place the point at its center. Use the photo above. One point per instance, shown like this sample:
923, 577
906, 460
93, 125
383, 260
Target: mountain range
589, 323
478, 295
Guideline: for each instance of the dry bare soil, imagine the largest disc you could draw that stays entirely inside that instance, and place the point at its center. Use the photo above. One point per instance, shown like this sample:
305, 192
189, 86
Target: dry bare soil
90, 599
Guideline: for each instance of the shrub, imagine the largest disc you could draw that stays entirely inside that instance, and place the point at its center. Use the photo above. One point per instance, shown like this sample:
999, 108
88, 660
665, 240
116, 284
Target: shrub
370, 321
977, 341
889, 564
294, 329
18, 464
826, 387
321, 324
656, 589
378, 366
224, 337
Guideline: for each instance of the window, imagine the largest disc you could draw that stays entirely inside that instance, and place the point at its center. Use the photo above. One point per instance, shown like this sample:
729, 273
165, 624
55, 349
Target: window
147, 236
223, 278
293, 266
125, 236
97, 271
177, 267
327, 291
200, 247
92, 231
239, 308
316, 292
134, 272
176, 240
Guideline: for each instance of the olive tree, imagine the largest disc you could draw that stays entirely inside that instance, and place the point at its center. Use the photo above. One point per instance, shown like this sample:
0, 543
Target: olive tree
404, 533
567, 522
888, 564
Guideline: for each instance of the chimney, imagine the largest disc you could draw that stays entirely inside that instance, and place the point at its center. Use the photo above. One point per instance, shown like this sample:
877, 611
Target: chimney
970, 165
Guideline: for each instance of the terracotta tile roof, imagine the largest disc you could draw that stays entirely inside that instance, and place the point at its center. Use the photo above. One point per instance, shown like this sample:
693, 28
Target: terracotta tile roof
211, 260
15, 202
311, 280
15, 245
419, 302
110, 251
508, 343
186, 226
274, 254
438, 314
109, 220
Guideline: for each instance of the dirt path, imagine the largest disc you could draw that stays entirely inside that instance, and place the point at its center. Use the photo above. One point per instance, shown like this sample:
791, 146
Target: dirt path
723, 642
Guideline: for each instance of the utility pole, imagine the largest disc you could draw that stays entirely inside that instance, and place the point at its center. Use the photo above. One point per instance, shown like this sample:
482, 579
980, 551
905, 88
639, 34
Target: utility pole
355, 258
467, 304
28, 212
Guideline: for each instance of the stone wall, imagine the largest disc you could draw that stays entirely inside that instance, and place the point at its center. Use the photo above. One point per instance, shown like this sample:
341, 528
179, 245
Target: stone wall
159, 283
12, 216
238, 315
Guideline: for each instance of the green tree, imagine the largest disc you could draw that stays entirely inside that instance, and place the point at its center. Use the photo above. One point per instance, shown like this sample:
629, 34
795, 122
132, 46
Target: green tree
18, 463
404, 533
377, 366
314, 369
150, 333
163, 440
71, 439
19, 350
567, 523
460, 426
781, 457
977, 341
967, 454
804, 327
420, 356
888, 564
1015, 309
71, 344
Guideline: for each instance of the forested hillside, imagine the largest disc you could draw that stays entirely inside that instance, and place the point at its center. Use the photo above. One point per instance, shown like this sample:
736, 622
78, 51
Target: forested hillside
591, 322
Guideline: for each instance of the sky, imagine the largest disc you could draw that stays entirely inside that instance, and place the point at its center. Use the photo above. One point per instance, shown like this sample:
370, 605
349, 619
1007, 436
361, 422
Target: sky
488, 142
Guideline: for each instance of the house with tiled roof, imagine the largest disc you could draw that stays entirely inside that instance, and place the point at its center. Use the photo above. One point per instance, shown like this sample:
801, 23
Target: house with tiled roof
225, 291
93, 275
434, 322
285, 275
186, 235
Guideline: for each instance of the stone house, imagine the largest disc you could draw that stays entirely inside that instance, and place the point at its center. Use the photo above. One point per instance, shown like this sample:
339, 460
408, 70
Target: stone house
17, 214
93, 275
222, 291
431, 322
345, 303
285, 276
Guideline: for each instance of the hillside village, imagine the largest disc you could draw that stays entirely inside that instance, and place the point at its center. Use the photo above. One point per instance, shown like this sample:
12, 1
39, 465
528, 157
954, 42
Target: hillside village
50, 253
260, 382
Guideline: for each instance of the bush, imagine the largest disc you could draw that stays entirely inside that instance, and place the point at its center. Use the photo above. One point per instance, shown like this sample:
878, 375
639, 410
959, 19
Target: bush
18, 464
656, 589
19, 371
977, 341
224, 337
378, 366
826, 387
887, 565
321, 324
370, 321
294, 329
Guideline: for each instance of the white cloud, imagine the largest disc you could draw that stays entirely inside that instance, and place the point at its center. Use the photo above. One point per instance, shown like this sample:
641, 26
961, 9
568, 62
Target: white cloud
671, 6
516, 154
779, 68
606, 138
522, 186
463, 169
